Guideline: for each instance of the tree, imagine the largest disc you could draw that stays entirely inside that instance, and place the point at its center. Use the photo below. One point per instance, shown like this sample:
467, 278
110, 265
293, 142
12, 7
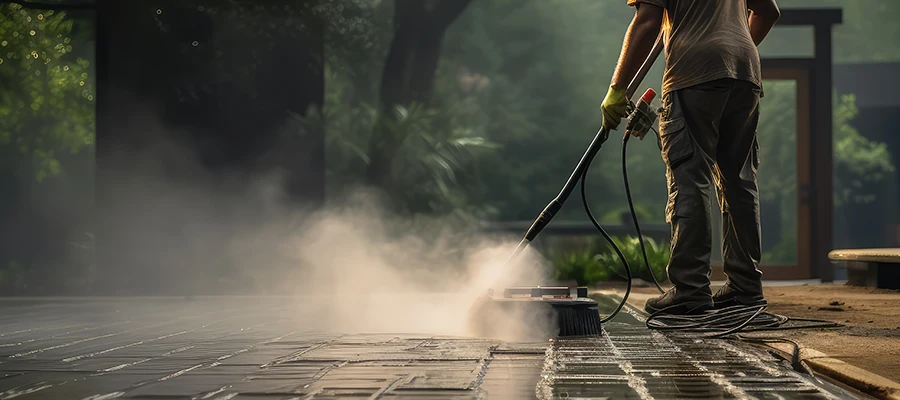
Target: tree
46, 104
409, 72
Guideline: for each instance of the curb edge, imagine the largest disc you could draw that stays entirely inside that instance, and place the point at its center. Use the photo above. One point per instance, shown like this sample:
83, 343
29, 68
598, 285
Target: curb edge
860, 379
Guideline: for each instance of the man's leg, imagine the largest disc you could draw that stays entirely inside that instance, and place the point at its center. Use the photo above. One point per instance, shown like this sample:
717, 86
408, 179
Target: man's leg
689, 134
738, 159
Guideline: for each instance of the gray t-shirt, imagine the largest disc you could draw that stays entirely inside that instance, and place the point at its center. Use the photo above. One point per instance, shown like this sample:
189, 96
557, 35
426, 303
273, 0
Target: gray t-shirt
706, 40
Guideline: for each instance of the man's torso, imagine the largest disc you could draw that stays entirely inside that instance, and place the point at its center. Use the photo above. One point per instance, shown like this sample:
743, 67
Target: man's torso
706, 40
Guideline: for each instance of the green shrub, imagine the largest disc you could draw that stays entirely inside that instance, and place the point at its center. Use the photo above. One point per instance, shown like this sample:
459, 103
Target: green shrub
584, 267
600, 263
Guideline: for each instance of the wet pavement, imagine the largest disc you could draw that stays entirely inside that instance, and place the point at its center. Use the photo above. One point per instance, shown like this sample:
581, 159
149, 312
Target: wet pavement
231, 348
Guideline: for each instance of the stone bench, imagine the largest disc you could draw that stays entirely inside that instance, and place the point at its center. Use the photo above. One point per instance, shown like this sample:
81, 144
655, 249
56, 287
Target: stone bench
878, 268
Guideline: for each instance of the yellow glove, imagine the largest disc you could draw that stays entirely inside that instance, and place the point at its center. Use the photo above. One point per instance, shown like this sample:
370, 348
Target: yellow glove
614, 107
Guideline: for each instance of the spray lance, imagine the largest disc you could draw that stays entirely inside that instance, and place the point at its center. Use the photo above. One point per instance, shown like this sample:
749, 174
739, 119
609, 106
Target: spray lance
576, 316
642, 118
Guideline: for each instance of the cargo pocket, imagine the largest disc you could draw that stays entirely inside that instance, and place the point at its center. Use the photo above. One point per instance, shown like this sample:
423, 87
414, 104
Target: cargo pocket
676, 144
676, 150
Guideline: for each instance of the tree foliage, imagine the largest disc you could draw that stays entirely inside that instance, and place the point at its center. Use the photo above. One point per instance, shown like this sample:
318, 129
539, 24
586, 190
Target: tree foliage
47, 94
435, 170
861, 165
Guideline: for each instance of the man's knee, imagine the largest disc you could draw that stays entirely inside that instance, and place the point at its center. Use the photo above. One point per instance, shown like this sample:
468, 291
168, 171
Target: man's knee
688, 204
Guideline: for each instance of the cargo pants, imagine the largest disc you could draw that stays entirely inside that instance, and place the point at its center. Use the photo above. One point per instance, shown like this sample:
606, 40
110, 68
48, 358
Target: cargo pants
708, 138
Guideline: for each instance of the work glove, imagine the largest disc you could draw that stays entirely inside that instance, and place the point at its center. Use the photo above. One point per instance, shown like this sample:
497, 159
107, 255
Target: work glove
614, 107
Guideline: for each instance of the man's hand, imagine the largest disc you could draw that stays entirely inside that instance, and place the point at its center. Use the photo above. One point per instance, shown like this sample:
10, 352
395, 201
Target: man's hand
615, 107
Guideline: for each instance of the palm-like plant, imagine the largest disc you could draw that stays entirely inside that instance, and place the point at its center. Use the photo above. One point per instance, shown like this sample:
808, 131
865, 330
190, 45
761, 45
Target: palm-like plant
431, 171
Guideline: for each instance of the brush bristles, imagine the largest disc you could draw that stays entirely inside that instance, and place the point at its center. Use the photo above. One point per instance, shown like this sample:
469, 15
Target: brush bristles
580, 321
539, 318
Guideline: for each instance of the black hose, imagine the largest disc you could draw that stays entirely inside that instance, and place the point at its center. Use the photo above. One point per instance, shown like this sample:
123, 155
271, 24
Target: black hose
637, 226
590, 215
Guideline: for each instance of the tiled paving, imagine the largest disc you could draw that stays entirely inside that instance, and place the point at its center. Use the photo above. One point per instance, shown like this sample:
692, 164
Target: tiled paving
230, 348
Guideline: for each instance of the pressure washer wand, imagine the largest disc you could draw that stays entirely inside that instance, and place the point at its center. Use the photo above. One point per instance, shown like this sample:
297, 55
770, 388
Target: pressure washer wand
556, 204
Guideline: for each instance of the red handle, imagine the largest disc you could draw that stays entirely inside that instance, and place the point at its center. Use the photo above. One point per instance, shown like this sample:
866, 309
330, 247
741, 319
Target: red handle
648, 96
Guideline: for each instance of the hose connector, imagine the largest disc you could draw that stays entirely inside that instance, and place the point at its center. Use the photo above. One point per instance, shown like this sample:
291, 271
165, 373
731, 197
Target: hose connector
642, 118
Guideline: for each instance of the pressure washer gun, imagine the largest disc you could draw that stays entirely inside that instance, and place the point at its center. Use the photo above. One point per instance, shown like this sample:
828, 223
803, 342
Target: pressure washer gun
640, 121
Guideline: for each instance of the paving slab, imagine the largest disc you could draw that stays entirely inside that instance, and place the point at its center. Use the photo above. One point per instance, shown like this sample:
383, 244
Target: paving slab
230, 348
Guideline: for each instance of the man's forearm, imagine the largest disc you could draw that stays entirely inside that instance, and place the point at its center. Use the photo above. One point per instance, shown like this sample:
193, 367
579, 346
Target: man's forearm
760, 27
763, 16
639, 40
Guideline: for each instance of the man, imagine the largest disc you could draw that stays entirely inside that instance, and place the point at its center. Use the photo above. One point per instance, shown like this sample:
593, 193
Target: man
710, 99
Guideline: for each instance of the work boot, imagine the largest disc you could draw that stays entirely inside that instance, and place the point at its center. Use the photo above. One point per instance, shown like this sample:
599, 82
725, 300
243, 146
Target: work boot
671, 303
728, 296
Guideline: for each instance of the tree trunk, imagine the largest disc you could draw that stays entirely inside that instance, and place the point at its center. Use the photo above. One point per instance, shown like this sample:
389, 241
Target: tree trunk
142, 244
409, 70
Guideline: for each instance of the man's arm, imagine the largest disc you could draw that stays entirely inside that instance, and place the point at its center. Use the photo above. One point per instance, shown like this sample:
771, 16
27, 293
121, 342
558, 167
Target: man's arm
763, 16
639, 40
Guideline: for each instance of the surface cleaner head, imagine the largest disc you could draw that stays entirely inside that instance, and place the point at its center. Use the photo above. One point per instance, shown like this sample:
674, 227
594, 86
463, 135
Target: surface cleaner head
535, 313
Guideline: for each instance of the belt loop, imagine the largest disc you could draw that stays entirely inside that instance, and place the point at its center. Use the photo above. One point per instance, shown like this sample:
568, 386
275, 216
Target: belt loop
664, 107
